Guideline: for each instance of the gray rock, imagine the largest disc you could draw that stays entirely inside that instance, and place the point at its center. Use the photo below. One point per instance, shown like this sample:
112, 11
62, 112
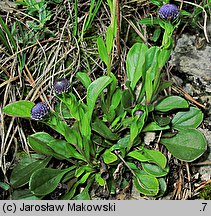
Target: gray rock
205, 171
192, 61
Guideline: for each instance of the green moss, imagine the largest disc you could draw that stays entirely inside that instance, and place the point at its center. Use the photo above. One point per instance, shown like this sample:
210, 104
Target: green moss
206, 193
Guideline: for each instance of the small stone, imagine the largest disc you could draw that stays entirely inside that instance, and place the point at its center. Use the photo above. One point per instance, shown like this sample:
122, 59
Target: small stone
149, 137
189, 89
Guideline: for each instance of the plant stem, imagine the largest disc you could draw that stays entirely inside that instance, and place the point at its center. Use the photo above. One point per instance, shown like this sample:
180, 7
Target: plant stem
109, 66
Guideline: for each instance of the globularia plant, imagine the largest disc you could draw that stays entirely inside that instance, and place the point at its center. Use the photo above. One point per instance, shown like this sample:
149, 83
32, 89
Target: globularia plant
106, 137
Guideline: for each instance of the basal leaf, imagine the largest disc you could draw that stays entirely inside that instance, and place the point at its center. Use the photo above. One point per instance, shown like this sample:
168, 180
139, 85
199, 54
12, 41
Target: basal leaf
189, 119
64, 150
151, 62
155, 156
45, 181
99, 179
109, 157
134, 63
101, 128
71, 193
84, 195
170, 103
149, 184
153, 126
163, 57
84, 78
83, 179
85, 127
162, 121
138, 155
116, 98
155, 170
148, 85
39, 142
187, 145
109, 39
19, 109
79, 171
94, 90
121, 144
102, 50
24, 195
162, 187
136, 127
4, 186
127, 98
21, 173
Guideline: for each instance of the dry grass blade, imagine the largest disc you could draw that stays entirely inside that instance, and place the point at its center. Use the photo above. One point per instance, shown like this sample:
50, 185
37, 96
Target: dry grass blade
202, 186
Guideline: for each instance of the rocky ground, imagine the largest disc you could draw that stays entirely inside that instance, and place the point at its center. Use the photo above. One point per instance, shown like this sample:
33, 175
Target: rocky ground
192, 59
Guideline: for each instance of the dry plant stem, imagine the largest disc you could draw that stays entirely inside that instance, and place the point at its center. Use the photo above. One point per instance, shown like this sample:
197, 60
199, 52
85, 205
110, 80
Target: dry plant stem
31, 81
83, 26
179, 186
189, 180
205, 163
202, 186
205, 16
137, 30
9, 81
187, 96
121, 158
44, 53
159, 137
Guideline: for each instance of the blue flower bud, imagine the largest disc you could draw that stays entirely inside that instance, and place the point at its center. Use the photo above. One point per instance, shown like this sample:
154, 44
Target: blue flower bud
61, 86
169, 12
39, 111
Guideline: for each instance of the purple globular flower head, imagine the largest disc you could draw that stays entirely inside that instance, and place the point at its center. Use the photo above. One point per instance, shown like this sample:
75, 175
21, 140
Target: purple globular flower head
39, 111
138, 112
168, 12
61, 86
